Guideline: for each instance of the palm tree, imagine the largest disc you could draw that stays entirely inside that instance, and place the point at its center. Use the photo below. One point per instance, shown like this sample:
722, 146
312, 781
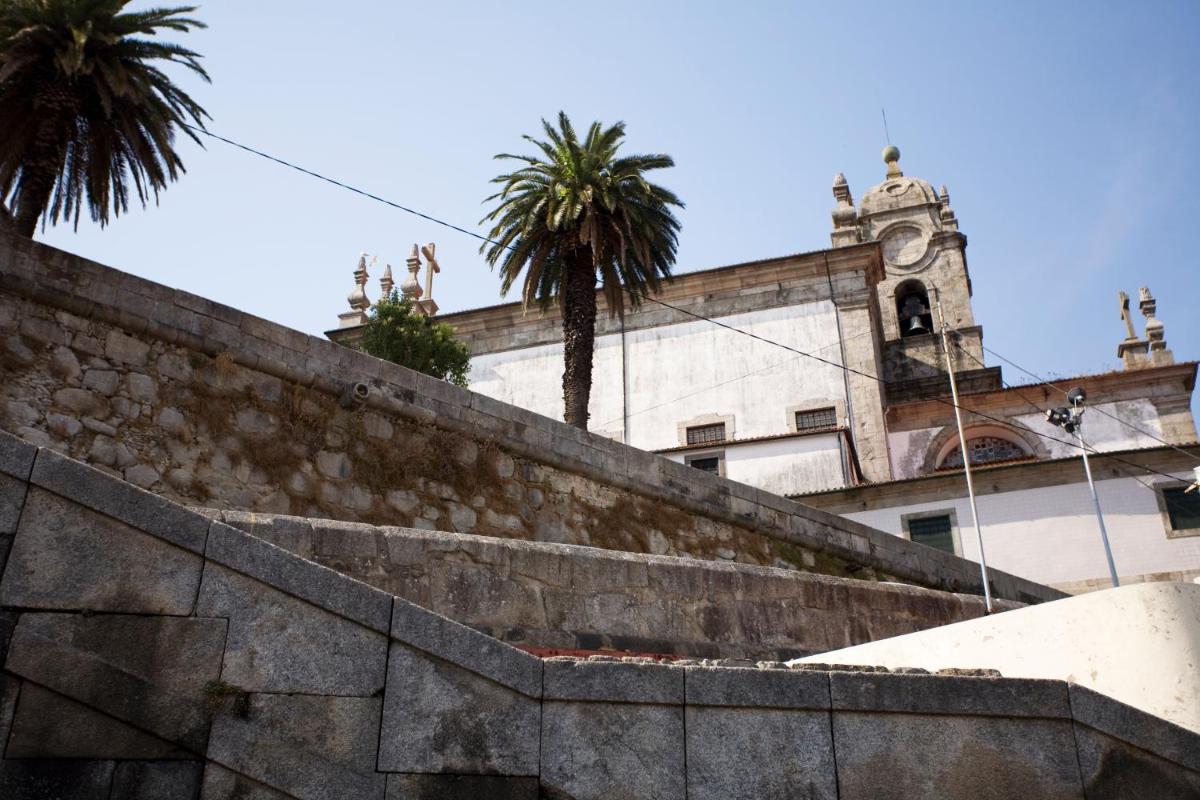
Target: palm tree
575, 214
87, 117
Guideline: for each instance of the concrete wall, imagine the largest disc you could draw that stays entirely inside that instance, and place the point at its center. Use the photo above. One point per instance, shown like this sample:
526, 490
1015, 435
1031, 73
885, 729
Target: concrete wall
1049, 534
550, 596
1138, 644
150, 652
205, 404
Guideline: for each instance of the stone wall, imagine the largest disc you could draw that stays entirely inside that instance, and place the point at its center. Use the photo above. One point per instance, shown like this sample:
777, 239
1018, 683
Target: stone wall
565, 597
207, 405
151, 652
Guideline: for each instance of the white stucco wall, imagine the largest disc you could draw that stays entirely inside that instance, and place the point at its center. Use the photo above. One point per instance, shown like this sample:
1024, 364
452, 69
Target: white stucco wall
683, 371
1050, 535
782, 465
911, 448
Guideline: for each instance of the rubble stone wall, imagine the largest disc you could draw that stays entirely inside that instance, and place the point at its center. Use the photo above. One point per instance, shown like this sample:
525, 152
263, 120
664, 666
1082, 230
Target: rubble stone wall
207, 405
151, 652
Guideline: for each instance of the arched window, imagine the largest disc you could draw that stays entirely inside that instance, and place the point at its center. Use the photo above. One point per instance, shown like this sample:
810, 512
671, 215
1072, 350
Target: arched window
984, 449
913, 313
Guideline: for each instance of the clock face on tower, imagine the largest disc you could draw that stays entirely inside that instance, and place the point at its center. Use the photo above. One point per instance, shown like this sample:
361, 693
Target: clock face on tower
904, 246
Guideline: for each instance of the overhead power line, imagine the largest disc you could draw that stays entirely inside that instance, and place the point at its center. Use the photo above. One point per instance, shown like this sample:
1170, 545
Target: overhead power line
693, 314
1100, 411
1091, 448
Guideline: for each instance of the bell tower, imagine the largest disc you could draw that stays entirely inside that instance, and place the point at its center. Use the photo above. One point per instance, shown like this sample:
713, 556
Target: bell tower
925, 262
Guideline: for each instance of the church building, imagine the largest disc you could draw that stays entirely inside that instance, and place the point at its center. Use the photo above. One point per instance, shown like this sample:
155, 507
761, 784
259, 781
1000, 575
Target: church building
823, 376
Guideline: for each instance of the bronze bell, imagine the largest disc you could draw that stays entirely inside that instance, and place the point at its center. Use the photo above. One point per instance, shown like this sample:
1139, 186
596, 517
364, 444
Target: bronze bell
916, 326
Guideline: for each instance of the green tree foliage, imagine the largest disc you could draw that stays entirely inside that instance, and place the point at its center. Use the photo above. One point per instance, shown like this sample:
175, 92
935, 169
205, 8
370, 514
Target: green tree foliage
88, 117
573, 214
397, 333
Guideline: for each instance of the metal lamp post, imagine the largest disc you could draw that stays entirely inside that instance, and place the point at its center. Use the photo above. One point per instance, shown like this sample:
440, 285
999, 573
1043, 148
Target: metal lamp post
1071, 420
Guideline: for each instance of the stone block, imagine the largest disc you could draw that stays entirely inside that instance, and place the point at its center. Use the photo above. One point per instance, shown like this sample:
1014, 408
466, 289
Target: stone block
318, 585
1142, 730
150, 672
438, 717
309, 747
10, 689
49, 725
135, 507
157, 780
757, 688
467, 648
882, 756
294, 534
16, 456
277, 643
759, 753
613, 681
55, 779
6, 540
1115, 770
222, 784
944, 694
460, 787
126, 349
592, 751
66, 556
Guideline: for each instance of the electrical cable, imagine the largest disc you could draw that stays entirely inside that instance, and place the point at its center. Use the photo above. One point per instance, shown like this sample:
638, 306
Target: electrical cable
487, 240
1090, 448
1100, 411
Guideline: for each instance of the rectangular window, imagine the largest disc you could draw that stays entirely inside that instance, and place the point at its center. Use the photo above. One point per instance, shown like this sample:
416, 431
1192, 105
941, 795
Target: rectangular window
708, 464
816, 419
932, 532
1183, 508
706, 434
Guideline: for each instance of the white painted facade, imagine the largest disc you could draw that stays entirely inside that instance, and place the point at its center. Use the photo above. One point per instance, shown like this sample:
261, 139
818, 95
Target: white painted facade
1050, 534
817, 460
1124, 425
649, 384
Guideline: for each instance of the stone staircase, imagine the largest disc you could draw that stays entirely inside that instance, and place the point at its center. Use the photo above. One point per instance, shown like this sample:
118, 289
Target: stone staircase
150, 651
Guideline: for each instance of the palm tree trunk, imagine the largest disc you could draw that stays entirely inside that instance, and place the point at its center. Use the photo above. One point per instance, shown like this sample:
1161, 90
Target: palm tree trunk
579, 335
57, 107
32, 199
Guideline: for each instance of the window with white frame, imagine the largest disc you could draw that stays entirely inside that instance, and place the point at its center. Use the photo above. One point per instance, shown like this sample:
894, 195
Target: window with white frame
935, 529
1181, 510
712, 463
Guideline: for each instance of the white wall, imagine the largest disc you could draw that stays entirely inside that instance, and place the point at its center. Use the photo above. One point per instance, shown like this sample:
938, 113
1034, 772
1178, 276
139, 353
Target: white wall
1050, 535
679, 372
782, 466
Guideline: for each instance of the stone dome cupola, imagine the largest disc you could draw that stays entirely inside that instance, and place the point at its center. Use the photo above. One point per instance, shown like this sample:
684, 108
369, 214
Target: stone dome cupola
896, 191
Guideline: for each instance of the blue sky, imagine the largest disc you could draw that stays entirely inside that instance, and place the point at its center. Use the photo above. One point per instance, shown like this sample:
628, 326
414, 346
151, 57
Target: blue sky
1066, 133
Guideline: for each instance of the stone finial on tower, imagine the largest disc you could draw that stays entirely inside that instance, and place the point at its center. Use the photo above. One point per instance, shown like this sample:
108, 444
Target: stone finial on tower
949, 221
357, 315
411, 288
386, 284
845, 216
1155, 334
891, 157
